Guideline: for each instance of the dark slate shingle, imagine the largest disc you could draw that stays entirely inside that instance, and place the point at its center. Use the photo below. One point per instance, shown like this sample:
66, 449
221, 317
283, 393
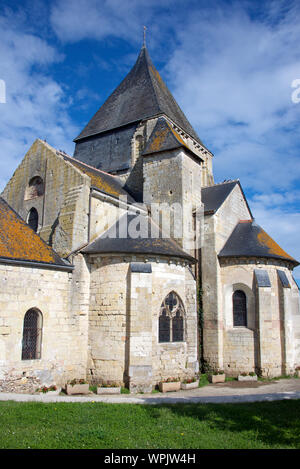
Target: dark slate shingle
142, 94
214, 196
249, 240
19, 242
119, 239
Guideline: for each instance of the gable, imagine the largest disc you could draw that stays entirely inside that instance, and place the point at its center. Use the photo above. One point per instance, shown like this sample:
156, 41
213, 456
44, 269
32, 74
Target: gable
214, 196
164, 138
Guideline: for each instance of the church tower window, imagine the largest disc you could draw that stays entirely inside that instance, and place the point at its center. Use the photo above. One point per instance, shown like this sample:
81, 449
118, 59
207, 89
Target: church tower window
32, 335
171, 319
239, 304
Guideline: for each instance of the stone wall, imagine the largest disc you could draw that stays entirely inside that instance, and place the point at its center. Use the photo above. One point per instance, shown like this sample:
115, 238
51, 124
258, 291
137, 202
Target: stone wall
124, 311
217, 229
109, 151
63, 208
267, 345
103, 215
172, 178
108, 319
178, 359
64, 332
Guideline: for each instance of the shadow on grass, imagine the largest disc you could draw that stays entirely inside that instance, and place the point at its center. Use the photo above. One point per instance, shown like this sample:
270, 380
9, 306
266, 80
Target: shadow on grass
273, 423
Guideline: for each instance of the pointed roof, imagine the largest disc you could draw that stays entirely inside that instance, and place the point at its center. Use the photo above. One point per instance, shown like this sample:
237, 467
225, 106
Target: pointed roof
249, 240
142, 94
19, 242
164, 138
118, 239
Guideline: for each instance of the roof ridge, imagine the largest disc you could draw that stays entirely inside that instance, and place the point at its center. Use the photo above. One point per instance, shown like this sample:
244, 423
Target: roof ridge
147, 56
89, 166
226, 181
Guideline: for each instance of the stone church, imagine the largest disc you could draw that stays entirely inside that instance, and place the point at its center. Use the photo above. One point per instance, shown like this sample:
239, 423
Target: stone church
128, 263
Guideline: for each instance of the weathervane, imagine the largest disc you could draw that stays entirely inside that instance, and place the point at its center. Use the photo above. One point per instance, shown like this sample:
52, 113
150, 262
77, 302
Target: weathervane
144, 43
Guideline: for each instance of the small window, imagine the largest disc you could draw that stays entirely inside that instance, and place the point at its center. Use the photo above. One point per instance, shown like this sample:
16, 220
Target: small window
239, 303
171, 319
32, 335
33, 219
35, 188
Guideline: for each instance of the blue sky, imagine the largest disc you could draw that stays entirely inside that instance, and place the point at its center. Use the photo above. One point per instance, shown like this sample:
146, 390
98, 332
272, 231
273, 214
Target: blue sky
229, 64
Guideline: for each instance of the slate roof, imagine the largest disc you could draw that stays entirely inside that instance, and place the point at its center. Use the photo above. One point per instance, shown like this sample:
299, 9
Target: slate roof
19, 242
214, 196
142, 94
117, 240
101, 180
249, 240
164, 138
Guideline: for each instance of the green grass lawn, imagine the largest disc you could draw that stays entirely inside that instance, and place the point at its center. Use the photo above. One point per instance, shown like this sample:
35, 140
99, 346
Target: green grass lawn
118, 426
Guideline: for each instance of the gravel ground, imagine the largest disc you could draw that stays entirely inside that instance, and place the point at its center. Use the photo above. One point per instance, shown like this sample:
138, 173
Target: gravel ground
232, 391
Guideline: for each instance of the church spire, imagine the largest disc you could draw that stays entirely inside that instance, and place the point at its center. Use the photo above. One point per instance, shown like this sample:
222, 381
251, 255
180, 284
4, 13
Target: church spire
141, 95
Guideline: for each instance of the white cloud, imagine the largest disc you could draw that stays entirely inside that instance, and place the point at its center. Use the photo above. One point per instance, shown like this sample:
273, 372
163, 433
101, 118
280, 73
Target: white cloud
35, 103
232, 75
281, 224
94, 19
230, 72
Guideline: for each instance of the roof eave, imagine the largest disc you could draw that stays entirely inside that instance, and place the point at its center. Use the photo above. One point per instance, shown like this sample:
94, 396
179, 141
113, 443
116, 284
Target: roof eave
252, 256
41, 265
188, 258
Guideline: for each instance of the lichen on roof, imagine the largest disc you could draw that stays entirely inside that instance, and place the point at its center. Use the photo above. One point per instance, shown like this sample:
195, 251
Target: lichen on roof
164, 138
101, 180
248, 239
19, 242
274, 249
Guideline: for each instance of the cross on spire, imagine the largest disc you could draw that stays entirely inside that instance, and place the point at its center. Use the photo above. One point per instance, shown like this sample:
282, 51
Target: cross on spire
144, 42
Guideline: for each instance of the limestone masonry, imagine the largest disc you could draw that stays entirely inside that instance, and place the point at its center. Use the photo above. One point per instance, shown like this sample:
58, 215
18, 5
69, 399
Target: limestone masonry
128, 264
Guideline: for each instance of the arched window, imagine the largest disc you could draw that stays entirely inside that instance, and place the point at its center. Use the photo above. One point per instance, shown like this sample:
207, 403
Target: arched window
33, 219
35, 188
239, 305
32, 335
171, 319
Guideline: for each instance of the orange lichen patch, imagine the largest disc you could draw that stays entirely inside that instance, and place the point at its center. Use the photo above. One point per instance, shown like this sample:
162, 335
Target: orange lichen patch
164, 137
157, 76
159, 139
18, 241
99, 179
274, 249
176, 134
